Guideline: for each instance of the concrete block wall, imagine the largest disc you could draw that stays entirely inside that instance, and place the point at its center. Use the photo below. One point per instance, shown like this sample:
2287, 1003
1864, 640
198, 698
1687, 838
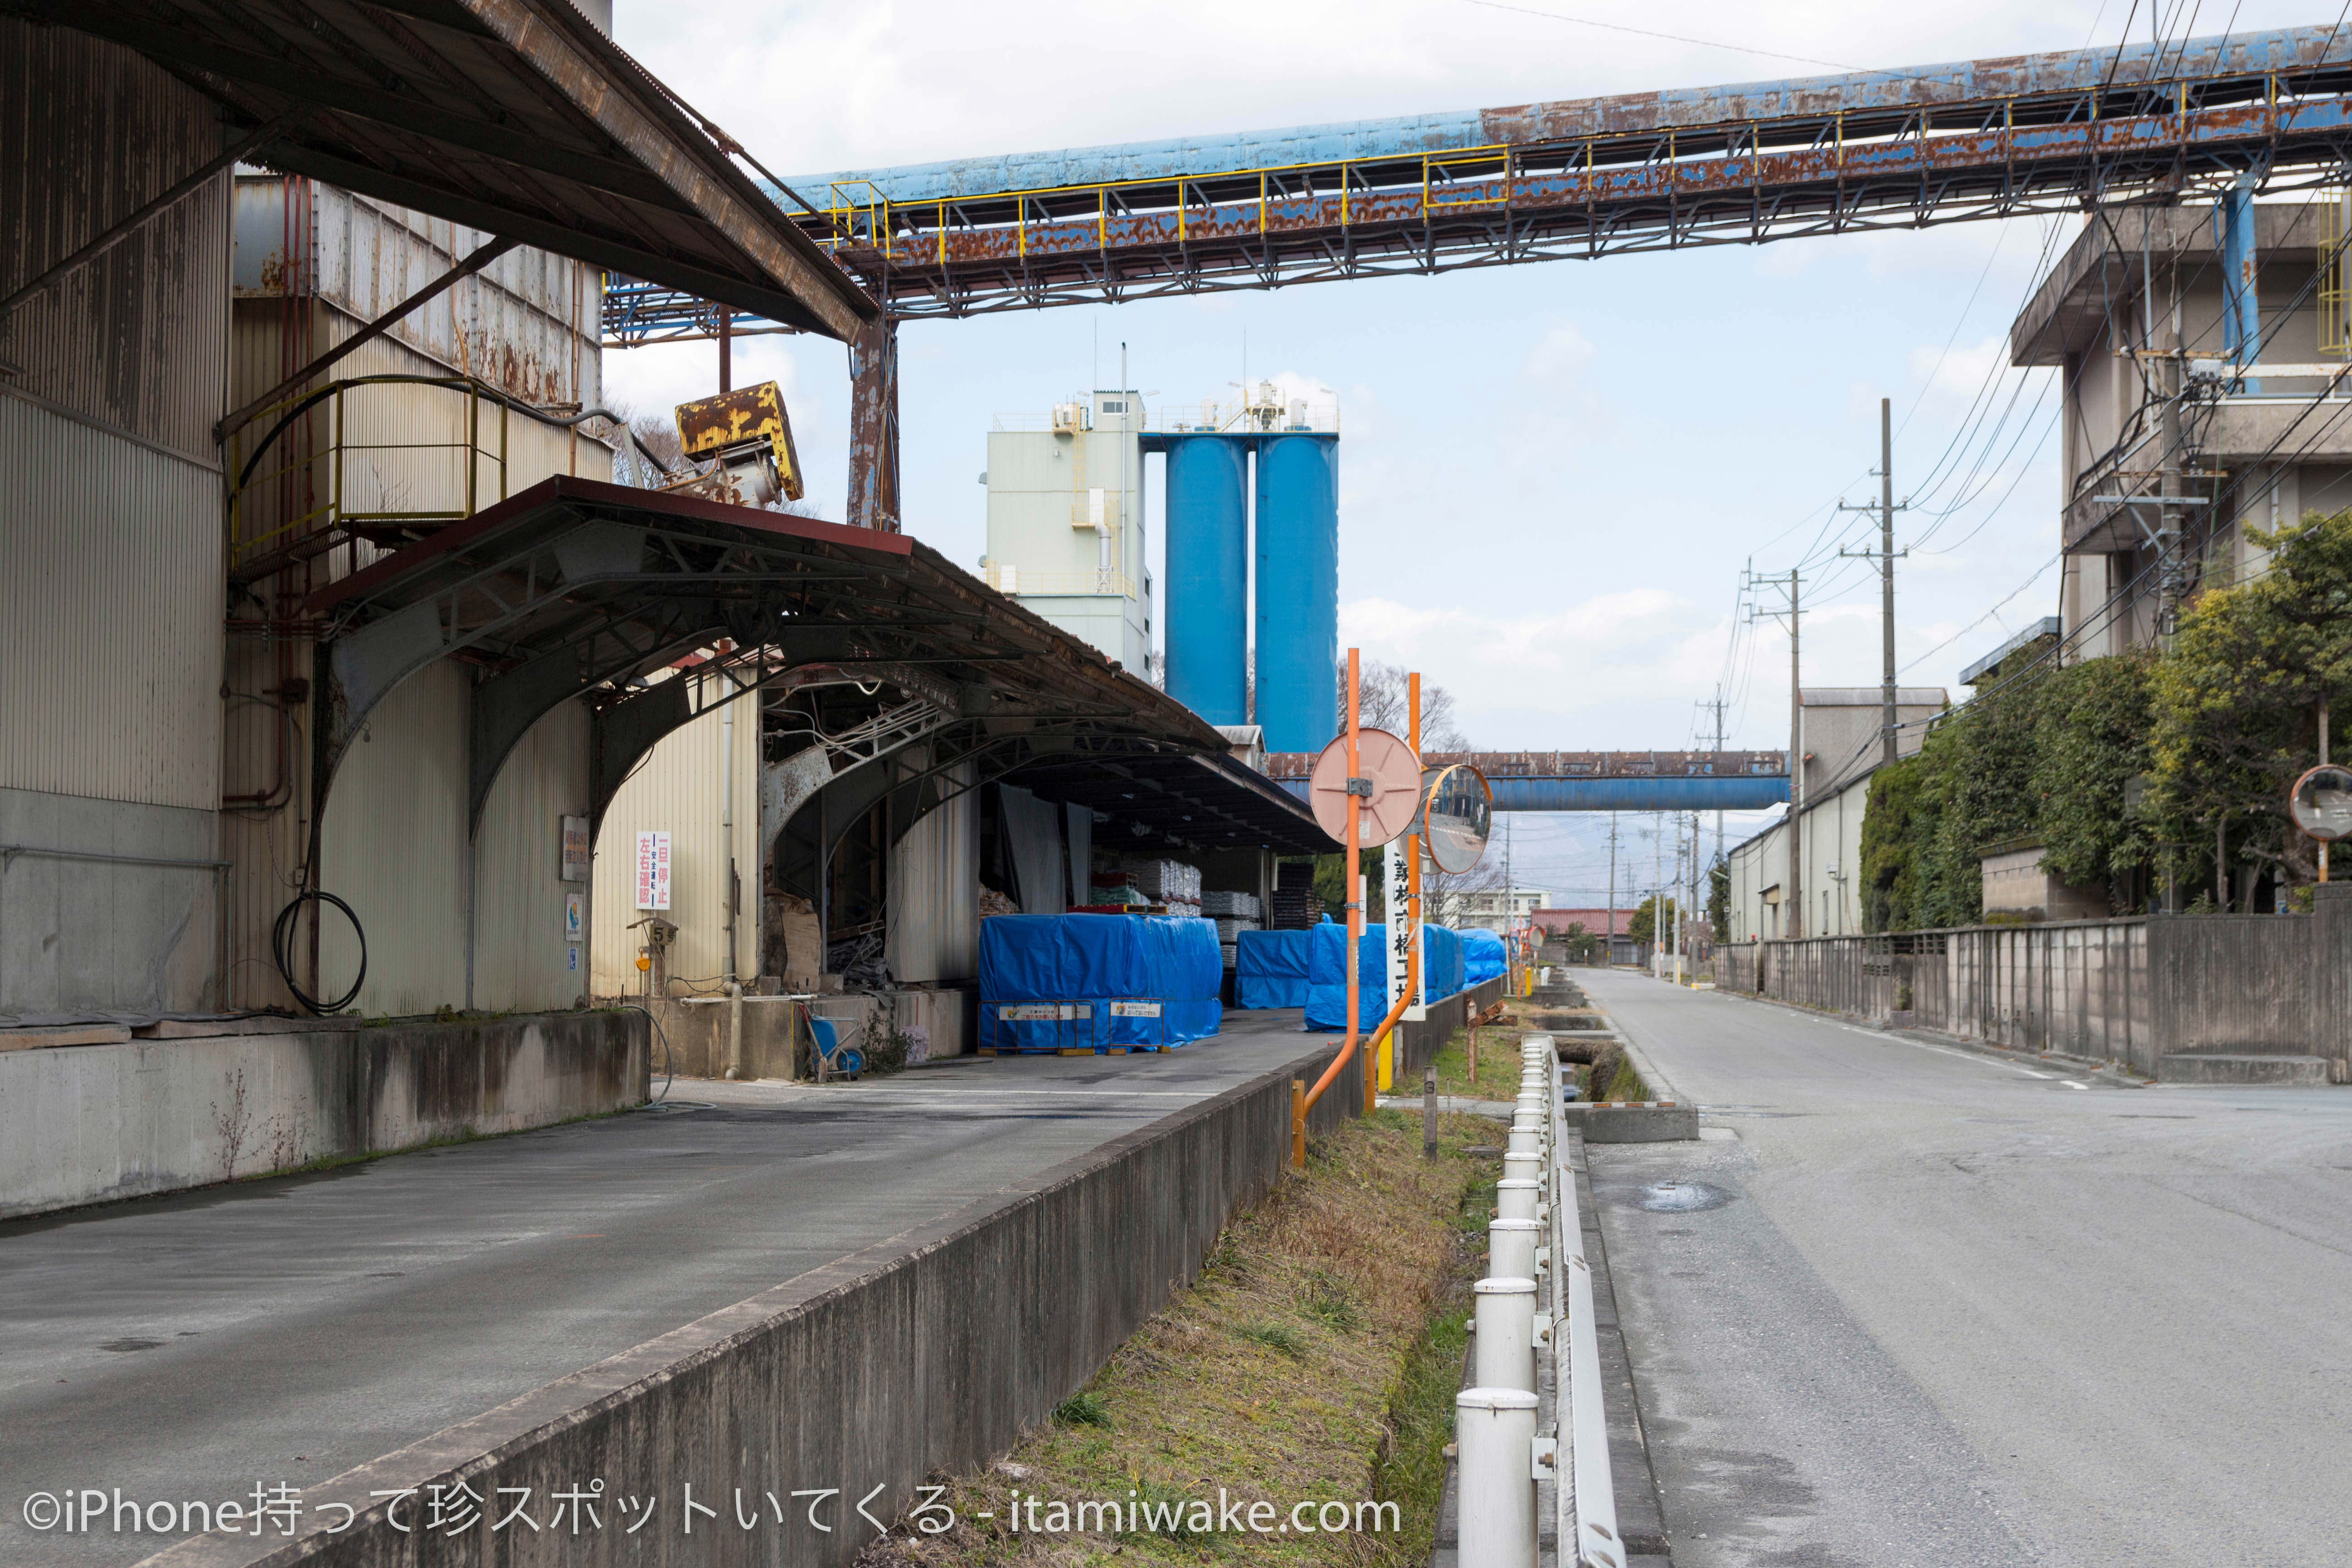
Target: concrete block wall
932, 1352
2132, 990
82, 1124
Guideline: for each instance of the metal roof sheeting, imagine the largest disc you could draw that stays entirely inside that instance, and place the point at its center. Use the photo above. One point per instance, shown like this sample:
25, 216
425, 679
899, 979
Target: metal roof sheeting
516, 117
133, 341
2047, 626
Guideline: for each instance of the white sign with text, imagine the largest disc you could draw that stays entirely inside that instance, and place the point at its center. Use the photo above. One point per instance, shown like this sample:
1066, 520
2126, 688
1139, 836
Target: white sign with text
652, 870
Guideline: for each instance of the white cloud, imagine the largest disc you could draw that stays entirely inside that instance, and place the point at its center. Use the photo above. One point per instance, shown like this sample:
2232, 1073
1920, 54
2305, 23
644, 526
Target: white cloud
1559, 356
1952, 379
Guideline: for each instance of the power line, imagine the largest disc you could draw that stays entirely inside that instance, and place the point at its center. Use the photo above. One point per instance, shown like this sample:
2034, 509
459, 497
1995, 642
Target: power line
2041, 573
1670, 37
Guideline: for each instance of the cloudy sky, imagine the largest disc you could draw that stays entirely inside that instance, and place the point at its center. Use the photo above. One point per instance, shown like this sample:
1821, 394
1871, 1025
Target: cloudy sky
1553, 476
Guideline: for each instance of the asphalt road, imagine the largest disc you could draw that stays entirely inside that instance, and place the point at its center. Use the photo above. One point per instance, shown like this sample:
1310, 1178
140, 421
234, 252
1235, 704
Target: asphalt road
286, 1329
1908, 1304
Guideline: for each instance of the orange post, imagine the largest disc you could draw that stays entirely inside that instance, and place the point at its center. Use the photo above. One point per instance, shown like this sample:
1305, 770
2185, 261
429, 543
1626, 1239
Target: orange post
1355, 905
1355, 868
1383, 1038
1299, 1115
1298, 1122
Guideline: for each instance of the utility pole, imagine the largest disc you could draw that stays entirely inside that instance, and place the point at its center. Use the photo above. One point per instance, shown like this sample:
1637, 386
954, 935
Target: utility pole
1507, 899
1671, 964
1681, 927
1690, 936
1791, 896
1886, 559
1886, 509
1717, 706
1608, 943
1794, 898
1658, 898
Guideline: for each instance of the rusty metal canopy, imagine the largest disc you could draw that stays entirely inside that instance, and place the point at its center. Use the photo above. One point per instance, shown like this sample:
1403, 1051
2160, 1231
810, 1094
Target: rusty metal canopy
580, 588
1207, 801
516, 117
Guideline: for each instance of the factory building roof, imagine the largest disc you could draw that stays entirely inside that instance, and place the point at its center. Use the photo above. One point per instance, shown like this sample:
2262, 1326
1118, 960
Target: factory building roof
576, 587
1873, 696
2047, 626
516, 117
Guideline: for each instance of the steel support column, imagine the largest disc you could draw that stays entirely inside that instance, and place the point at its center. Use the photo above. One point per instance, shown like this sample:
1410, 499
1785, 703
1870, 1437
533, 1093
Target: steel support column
874, 425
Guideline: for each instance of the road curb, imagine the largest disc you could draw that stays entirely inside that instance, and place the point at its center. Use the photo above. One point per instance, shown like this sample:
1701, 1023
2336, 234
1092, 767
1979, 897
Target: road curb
2089, 1067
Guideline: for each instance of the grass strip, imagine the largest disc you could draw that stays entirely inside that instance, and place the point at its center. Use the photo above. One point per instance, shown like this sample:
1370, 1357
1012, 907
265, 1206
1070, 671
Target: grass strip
1315, 1360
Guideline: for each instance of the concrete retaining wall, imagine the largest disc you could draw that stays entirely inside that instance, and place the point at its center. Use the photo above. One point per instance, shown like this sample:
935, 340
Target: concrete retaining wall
2133, 991
931, 1352
695, 1031
83, 1124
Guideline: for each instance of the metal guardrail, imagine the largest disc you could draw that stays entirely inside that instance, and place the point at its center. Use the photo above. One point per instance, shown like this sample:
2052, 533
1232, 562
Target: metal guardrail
1588, 1492
1505, 1452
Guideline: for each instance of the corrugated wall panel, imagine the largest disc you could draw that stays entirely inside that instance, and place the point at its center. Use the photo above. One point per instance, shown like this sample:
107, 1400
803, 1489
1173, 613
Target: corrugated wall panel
110, 607
393, 848
679, 789
135, 339
527, 323
401, 445
934, 892
520, 958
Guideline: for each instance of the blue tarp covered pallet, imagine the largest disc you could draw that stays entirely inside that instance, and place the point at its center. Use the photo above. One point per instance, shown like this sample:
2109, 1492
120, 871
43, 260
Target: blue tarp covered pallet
1097, 982
1482, 956
1270, 968
1441, 962
1326, 973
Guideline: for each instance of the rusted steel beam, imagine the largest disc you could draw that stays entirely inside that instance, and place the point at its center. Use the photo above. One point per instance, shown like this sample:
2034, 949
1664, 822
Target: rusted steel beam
874, 427
564, 59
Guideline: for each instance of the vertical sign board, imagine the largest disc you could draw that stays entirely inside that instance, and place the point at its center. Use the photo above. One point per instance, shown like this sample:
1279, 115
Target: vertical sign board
575, 849
1396, 870
652, 870
576, 917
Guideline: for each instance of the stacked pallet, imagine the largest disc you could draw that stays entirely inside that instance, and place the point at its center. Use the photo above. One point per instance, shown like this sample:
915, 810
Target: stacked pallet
1171, 883
1295, 907
1234, 913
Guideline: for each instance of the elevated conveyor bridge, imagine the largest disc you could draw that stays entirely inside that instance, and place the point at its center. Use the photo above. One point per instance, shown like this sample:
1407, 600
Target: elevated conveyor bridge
1571, 179
1601, 781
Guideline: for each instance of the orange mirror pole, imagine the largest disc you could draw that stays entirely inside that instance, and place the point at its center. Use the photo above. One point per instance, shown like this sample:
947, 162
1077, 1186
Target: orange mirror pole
1355, 906
1355, 868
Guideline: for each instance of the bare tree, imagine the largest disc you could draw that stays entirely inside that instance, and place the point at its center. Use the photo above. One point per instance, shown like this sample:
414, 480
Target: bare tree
1383, 703
1447, 896
657, 439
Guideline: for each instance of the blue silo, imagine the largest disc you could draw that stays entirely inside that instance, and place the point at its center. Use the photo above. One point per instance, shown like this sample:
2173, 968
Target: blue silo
1208, 577
1299, 590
